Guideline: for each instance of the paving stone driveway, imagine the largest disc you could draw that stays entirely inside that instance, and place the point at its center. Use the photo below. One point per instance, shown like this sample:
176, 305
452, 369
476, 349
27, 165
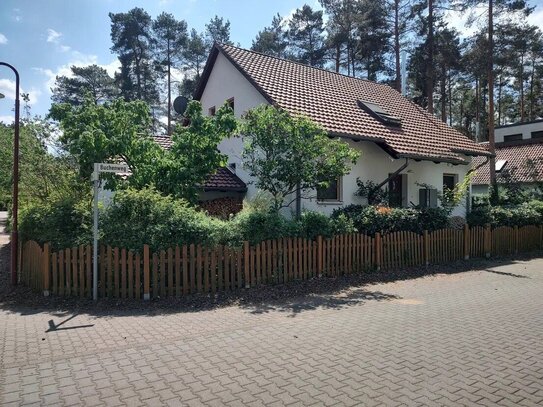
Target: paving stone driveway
474, 338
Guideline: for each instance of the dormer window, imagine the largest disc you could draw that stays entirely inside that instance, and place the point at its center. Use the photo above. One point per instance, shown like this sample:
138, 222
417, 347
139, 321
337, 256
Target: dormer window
377, 112
500, 164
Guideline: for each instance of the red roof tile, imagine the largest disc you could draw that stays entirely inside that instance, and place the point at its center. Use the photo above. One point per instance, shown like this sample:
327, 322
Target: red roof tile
517, 155
222, 180
331, 99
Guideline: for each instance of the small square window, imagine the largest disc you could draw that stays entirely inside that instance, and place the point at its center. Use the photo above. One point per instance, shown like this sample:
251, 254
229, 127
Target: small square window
211, 111
230, 103
331, 193
450, 181
512, 137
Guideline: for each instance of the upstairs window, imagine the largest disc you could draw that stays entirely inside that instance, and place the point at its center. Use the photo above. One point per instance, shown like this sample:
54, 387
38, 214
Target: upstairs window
449, 181
230, 103
211, 111
376, 111
512, 137
330, 194
537, 134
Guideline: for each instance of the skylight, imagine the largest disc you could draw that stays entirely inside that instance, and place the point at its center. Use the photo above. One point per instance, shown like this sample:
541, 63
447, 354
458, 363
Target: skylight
379, 113
500, 164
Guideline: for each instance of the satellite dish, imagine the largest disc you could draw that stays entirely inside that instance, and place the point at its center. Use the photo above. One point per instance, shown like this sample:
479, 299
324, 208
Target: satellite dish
180, 104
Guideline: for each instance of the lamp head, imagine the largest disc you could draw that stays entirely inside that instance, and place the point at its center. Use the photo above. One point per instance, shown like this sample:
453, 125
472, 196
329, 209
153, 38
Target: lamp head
2, 96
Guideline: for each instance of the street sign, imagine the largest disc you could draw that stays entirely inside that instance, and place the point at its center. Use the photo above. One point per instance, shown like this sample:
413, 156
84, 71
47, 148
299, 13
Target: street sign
99, 168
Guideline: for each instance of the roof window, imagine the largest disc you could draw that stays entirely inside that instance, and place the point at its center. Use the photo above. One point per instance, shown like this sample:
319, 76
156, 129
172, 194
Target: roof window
500, 164
376, 111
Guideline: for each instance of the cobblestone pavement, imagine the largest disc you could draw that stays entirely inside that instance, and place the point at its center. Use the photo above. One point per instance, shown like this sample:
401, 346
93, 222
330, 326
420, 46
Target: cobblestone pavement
474, 338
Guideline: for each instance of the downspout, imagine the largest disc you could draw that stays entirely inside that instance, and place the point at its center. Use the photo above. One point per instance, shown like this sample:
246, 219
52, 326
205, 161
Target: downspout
391, 176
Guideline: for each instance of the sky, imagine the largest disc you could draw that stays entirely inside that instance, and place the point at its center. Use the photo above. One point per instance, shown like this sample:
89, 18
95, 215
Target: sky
43, 38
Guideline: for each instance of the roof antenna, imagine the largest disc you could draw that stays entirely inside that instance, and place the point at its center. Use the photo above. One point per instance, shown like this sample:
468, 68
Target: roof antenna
404, 72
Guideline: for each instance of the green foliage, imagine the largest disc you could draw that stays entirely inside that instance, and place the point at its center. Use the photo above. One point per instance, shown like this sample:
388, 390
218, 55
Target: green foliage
451, 198
64, 222
138, 217
312, 224
288, 153
194, 155
256, 226
369, 190
371, 219
528, 213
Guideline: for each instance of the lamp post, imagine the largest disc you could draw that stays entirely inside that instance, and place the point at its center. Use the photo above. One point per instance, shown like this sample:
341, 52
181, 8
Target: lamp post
14, 235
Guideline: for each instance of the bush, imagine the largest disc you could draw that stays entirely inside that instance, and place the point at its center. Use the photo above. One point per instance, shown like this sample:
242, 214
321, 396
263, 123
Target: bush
528, 213
371, 219
62, 223
256, 226
143, 217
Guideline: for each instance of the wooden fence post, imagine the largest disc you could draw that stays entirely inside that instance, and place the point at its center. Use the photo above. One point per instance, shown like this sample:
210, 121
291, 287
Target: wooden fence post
45, 267
378, 251
246, 255
516, 238
146, 291
487, 241
466, 242
426, 247
319, 256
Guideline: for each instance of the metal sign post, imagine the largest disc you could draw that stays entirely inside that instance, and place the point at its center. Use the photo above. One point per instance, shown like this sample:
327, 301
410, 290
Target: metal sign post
98, 168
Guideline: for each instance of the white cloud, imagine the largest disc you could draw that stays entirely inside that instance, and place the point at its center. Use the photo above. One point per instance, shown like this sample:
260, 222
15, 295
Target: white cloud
7, 119
7, 87
536, 18
3, 39
53, 36
16, 16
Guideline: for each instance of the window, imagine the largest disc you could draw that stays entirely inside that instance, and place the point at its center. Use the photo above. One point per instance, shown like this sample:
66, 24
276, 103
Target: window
230, 103
449, 181
500, 164
211, 111
376, 111
331, 193
512, 137
397, 191
537, 134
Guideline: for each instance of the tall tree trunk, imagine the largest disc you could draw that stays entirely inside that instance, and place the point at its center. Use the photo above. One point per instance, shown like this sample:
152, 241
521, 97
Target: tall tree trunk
338, 56
169, 91
397, 45
491, 139
521, 82
532, 89
443, 91
450, 99
500, 87
430, 63
477, 110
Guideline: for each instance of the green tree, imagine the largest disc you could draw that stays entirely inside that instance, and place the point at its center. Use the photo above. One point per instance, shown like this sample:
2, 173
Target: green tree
194, 58
217, 30
305, 36
271, 40
194, 155
89, 80
170, 40
289, 155
132, 37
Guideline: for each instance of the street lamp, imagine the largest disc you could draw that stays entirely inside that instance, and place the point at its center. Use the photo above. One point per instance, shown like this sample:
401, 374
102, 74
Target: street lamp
15, 209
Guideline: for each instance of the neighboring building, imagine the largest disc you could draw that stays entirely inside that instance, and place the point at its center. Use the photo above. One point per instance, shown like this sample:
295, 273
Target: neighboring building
389, 130
519, 156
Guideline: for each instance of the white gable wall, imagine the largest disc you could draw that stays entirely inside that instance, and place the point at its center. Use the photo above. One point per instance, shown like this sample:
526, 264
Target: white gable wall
374, 164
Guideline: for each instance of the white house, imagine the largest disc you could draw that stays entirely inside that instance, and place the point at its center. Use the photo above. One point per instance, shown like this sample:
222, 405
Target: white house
519, 151
401, 144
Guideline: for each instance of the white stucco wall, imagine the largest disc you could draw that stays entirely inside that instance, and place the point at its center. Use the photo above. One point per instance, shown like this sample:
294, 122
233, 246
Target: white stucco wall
524, 129
374, 164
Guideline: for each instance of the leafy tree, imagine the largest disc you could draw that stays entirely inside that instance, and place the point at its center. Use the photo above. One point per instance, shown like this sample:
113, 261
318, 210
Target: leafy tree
194, 155
170, 39
271, 40
291, 154
194, 58
132, 37
89, 80
217, 30
305, 35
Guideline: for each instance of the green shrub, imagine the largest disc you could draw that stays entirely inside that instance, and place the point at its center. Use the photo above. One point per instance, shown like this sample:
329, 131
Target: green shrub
143, 217
371, 219
63, 223
312, 224
528, 213
256, 226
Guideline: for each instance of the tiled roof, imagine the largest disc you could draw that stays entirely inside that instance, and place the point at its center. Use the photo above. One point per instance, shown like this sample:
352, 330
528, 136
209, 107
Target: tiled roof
516, 156
222, 180
331, 99
225, 180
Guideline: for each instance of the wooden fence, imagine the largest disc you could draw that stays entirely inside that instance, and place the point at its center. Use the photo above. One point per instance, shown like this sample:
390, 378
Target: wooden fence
197, 269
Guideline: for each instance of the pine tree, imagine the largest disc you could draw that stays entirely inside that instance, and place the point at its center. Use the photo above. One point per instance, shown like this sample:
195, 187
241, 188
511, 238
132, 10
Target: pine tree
132, 41
305, 35
271, 40
194, 58
217, 30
